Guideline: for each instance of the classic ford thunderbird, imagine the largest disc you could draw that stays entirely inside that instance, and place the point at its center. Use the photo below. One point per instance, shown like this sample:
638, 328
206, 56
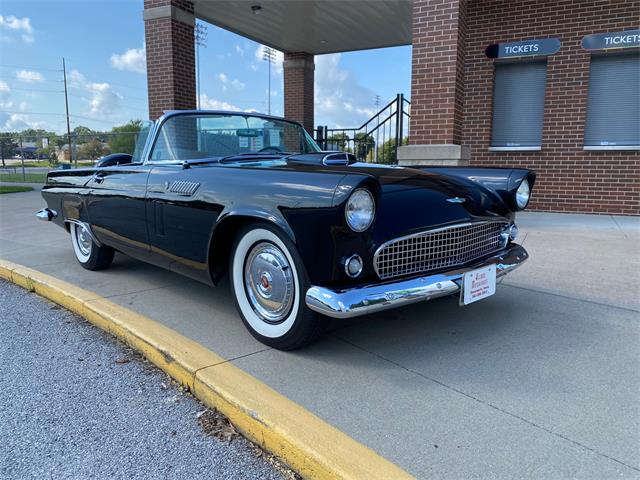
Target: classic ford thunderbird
303, 233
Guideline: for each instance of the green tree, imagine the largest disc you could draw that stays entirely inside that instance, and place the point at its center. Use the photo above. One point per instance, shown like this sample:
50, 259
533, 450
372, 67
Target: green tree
364, 144
92, 150
337, 141
388, 152
81, 130
123, 138
8, 148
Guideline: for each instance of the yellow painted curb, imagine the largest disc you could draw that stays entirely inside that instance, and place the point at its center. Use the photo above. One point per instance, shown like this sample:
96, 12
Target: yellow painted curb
310, 446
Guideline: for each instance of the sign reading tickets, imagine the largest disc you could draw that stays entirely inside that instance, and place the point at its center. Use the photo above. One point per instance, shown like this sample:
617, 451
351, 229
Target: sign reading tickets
608, 41
526, 48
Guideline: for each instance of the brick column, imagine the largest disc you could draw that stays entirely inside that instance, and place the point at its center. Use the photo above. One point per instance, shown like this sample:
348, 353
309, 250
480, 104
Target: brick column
298, 88
437, 83
171, 71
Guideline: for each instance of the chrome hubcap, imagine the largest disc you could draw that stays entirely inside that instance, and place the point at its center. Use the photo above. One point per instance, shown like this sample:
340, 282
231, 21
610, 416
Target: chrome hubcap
269, 282
84, 240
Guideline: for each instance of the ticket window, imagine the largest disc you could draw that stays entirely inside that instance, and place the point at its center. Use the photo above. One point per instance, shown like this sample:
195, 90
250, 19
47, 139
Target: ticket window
518, 105
613, 104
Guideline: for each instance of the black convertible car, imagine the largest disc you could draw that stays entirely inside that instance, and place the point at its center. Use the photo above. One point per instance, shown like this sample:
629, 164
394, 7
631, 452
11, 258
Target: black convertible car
302, 232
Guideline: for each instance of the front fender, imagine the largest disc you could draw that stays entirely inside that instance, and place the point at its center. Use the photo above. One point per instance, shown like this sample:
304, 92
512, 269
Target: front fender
503, 181
272, 217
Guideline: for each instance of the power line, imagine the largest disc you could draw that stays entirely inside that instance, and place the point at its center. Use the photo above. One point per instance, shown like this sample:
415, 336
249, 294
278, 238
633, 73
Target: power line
59, 115
4, 65
12, 77
35, 90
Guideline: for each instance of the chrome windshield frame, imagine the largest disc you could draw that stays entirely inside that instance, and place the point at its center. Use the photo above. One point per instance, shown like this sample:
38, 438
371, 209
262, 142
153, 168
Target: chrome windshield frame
157, 126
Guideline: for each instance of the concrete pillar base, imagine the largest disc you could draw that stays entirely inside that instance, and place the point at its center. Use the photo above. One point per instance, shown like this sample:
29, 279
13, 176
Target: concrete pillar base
449, 155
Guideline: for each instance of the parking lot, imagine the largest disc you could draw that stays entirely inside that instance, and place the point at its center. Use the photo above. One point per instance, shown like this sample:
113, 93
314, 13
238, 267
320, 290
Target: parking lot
541, 380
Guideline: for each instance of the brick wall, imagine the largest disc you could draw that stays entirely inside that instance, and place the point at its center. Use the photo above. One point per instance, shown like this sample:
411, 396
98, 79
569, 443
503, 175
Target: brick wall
298, 89
170, 60
569, 178
437, 81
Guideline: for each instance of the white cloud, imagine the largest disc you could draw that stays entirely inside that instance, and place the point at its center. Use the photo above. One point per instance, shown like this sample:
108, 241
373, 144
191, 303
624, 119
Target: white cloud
29, 76
226, 82
339, 99
20, 26
103, 101
17, 122
207, 103
77, 79
133, 60
237, 84
4, 88
240, 50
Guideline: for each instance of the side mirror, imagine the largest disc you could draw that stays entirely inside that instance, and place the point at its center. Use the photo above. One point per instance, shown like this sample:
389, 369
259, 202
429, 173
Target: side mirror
114, 159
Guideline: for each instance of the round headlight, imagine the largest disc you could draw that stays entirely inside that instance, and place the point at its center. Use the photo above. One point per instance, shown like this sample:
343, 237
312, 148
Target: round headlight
522, 194
360, 210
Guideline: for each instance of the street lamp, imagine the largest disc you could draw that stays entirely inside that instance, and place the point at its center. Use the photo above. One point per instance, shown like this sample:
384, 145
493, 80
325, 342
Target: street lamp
269, 55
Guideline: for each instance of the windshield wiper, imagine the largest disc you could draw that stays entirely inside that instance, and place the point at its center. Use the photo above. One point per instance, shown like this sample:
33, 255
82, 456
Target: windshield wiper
247, 156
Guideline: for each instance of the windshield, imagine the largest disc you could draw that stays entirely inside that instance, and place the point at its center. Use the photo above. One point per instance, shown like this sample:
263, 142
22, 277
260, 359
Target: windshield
201, 135
141, 141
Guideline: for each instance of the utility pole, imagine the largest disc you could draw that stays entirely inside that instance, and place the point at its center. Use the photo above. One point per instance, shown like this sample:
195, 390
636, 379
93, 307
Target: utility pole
66, 104
200, 33
269, 56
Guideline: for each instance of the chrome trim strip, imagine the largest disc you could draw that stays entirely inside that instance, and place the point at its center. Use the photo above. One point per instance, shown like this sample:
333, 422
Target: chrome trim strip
336, 158
87, 227
377, 297
515, 149
46, 214
611, 147
428, 232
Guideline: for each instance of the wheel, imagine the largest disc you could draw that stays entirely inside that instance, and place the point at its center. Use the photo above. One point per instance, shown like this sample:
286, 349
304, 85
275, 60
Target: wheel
268, 282
90, 255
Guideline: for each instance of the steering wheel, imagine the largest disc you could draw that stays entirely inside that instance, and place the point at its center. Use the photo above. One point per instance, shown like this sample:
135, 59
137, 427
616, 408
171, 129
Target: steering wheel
271, 148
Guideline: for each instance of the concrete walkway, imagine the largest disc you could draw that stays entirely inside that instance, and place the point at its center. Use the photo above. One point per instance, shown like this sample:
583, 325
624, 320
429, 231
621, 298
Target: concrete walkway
541, 380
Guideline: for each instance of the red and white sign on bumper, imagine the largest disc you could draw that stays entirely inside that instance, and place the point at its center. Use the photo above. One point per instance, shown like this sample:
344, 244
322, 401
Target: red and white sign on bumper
478, 284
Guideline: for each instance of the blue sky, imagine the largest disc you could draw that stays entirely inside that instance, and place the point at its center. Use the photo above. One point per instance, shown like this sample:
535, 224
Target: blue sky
103, 44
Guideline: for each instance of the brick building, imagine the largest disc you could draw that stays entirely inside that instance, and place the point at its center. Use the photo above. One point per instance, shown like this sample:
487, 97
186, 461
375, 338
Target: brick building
551, 85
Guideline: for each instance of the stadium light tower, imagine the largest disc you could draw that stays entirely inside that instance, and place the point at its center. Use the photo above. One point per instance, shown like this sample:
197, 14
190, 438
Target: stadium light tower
200, 36
269, 55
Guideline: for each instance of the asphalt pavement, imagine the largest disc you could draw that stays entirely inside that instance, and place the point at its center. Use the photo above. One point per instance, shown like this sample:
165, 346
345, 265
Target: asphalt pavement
541, 380
76, 403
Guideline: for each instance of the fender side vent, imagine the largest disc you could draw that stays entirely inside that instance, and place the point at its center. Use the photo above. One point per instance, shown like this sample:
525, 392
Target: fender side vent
184, 188
339, 159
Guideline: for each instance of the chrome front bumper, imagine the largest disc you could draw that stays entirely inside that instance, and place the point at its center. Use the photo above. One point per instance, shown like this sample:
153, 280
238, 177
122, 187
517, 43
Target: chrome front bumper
374, 298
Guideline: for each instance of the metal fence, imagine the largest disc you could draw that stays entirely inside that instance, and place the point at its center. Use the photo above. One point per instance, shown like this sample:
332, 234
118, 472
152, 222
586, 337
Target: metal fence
376, 140
27, 158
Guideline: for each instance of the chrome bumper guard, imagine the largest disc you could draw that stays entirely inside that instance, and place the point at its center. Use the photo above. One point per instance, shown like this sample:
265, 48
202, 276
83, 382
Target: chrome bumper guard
46, 214
374, 298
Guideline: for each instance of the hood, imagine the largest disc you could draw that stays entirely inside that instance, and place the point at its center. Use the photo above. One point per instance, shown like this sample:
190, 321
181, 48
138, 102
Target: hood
411, 200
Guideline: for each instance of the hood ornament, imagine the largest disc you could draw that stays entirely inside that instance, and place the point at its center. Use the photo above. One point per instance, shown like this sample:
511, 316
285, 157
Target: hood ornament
456, 200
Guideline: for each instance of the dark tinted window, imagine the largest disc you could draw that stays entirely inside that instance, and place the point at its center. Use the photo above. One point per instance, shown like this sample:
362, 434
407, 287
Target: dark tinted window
613, 106
518, 104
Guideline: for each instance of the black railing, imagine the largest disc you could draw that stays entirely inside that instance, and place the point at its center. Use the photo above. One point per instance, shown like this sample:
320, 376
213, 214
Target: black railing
376, 140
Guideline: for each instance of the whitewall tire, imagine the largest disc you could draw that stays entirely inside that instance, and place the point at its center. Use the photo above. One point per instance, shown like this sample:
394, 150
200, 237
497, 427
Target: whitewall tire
87, 252
268, 282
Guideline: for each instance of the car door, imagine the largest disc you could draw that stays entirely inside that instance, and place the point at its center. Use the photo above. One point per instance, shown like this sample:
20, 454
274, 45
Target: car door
181, 213
117, 208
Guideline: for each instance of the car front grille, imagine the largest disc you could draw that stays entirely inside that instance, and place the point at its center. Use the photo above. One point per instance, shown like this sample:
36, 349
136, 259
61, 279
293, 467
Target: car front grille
436, 249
